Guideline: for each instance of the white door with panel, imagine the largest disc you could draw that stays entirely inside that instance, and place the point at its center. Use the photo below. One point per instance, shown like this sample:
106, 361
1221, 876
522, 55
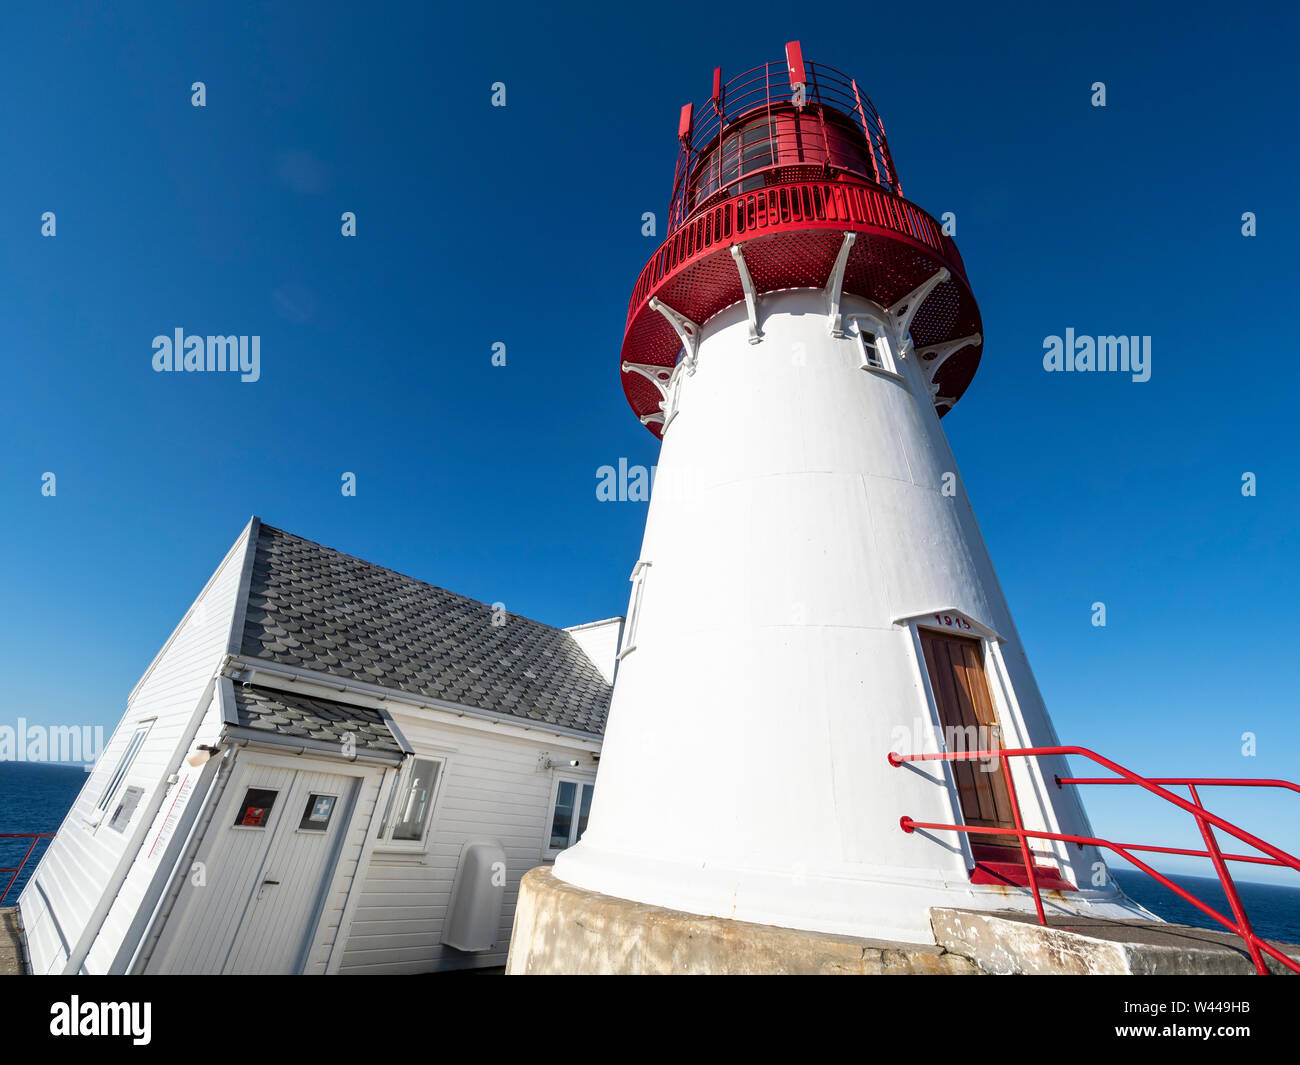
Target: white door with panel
256, 898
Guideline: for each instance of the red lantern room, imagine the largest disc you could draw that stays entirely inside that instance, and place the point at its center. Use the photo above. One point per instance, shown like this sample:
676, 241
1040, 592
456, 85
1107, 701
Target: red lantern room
785, 180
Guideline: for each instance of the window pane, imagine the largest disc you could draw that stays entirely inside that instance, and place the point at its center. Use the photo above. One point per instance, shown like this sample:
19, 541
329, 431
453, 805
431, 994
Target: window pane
255, 811
123, 766
562, 821
870, 350
415, 802
316, 817
584, 810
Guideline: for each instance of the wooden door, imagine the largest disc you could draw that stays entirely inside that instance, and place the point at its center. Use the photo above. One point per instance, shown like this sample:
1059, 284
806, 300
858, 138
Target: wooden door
961, 693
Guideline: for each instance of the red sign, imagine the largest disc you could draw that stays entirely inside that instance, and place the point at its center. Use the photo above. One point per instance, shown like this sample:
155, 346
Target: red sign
254, 815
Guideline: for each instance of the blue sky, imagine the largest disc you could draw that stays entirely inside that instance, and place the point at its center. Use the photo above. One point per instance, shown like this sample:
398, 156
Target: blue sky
521, 225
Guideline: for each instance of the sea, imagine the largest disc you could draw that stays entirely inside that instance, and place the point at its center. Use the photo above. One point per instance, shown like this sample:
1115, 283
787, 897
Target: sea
35, 798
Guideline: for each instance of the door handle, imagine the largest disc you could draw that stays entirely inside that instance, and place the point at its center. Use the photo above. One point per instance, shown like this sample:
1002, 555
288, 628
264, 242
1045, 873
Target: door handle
261, 890
276, 883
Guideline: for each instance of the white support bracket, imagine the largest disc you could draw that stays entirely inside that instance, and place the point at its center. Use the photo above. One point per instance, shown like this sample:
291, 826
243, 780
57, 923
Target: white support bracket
936, 355
751, 297
904, 310
666, 380
945, 401
687, 331
835, 286
659, 376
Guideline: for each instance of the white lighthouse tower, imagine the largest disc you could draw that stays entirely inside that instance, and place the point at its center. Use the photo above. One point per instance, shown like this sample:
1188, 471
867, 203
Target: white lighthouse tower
813, 592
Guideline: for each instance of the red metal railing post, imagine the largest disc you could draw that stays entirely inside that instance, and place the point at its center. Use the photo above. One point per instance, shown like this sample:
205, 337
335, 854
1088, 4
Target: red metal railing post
35, 837
1205, 820
1024, 839
1229, 888
866, 131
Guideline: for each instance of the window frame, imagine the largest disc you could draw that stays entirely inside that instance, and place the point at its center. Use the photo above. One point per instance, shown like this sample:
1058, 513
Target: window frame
633, 608
303, 825
580, 780
117, 780
121, 828
673, 399
881, 347
384, 843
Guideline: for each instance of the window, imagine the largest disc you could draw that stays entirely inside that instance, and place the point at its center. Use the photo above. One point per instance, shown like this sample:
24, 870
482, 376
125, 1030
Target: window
674, 396
634, 608
749, 149
316, 818
570, 813
411, 801
255, 810
123, 766
873, 348
122, 815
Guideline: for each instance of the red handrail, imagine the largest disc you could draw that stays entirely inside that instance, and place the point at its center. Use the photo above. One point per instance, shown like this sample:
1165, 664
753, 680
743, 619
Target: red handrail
1206, 822
35, 837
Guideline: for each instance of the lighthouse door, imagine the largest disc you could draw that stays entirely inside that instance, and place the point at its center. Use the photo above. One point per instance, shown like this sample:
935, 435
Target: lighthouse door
961, 694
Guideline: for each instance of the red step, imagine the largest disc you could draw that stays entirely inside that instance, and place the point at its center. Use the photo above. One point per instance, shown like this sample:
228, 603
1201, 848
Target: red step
1013, 874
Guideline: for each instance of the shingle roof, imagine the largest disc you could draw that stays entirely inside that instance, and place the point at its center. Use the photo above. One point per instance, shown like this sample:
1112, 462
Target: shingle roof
324, 720
315, 608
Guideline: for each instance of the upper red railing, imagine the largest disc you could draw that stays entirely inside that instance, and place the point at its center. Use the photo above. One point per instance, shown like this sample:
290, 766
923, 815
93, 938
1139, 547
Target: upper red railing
35, 837
817, 127
798, 205
1207, 822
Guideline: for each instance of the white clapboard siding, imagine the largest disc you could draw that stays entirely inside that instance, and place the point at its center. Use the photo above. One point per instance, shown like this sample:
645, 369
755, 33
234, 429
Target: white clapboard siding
65, 904
600, 641
493, 788
145, 880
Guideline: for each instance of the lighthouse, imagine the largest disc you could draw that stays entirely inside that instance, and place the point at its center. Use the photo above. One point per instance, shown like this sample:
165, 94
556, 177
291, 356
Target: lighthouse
813, 593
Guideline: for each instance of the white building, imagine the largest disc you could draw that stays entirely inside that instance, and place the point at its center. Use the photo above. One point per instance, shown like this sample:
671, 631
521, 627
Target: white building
329, 767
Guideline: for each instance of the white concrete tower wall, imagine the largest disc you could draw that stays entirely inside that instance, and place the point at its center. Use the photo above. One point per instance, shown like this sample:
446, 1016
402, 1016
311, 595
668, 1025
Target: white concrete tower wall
798, 529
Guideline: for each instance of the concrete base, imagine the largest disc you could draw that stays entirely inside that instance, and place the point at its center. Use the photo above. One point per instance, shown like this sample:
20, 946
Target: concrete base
561, 929
1016, 943
12, 957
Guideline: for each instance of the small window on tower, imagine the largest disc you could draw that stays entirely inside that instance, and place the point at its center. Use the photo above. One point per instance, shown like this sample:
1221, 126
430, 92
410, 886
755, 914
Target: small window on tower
673, 397
873, 348
633, 609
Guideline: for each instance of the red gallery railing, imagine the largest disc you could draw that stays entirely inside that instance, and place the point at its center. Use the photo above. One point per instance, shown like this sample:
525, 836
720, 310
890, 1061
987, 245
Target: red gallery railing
35, 837
1206, 822
796, 205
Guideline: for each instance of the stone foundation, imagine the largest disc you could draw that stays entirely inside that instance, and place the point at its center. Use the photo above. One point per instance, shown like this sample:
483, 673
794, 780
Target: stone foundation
566, 930
1079, 946
562, 929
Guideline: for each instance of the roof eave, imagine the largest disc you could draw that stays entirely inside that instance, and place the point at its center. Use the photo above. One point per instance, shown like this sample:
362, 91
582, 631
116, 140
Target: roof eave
260, 670
242, 734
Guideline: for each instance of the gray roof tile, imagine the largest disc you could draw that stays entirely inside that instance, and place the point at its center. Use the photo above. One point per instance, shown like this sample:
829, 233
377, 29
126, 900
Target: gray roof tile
314, 607
289, 714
